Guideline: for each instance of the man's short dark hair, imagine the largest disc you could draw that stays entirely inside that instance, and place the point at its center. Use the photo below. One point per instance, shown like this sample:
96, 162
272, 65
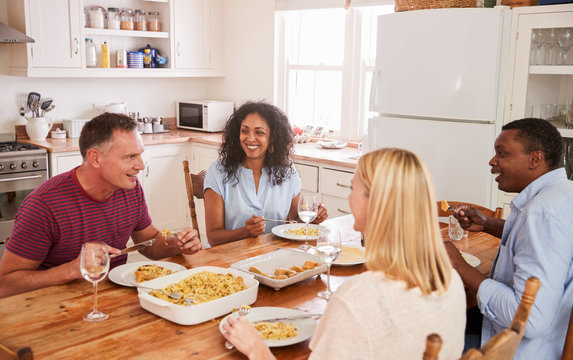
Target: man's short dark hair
537, 134
99, 130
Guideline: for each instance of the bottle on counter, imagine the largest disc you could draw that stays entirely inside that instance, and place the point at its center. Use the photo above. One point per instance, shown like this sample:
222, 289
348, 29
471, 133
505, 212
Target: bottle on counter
104, 55
147, 58
153, 21
113, 18
91, 54
139, 23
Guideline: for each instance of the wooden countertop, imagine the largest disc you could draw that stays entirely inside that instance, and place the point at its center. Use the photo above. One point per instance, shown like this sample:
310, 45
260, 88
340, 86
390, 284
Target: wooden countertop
50, 321
312, 152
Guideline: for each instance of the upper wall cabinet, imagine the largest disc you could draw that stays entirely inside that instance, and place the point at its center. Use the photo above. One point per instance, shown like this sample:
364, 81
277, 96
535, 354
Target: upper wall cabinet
189, 36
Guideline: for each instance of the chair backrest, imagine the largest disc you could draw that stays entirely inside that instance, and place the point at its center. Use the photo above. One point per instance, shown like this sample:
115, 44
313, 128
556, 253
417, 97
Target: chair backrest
433, 346
504, 344
568, 346
24, 353
497, 213
194, 185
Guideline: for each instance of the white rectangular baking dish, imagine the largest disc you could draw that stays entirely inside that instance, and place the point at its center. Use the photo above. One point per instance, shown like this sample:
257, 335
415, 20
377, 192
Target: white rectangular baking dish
283, 258
196, 314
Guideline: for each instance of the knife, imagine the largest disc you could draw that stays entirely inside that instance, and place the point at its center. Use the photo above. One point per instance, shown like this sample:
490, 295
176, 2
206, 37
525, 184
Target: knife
135, 247
305, 316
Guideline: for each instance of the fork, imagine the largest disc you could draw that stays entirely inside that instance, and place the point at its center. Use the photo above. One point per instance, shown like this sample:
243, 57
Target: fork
243, 311
450, 207
172, 295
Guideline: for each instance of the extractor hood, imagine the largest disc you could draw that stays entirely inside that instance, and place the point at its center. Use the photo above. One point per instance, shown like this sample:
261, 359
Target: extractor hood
10, 35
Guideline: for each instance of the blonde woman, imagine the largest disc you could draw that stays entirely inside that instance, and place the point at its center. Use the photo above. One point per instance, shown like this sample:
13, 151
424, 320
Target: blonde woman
410, 290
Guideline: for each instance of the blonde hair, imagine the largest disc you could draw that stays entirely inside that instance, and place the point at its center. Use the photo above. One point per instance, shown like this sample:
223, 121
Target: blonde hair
402, 234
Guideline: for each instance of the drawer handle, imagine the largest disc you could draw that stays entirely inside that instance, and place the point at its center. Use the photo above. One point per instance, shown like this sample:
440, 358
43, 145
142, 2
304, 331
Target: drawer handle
343, 211
343, 185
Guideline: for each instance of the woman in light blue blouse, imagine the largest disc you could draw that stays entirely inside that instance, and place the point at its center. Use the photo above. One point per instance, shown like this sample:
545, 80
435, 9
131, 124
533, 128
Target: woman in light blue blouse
254, 177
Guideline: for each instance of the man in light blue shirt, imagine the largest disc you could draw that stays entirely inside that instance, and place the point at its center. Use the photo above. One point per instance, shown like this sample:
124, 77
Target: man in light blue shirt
536, 239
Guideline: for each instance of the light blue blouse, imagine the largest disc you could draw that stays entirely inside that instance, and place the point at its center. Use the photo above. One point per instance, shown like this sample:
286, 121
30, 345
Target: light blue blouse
537, 241
242, 201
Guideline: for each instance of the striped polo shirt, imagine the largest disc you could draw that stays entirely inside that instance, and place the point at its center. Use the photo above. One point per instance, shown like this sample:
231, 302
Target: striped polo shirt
59, 216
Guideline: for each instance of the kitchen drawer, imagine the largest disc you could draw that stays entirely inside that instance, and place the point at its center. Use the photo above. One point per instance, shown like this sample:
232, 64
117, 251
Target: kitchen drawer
309, 177
336, 206
335, 182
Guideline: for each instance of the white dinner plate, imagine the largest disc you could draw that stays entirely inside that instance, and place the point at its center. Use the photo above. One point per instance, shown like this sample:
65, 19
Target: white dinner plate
470, 259
355, 255
281, 231
332, 144
305, 327
124, 274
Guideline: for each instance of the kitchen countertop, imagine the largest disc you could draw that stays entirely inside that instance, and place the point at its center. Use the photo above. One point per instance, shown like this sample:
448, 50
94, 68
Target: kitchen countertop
312, 152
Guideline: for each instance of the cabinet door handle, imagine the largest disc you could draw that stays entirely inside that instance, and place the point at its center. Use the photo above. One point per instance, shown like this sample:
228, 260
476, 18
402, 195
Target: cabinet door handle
178, 48
146, 169
77, 46
343, 211
343, 185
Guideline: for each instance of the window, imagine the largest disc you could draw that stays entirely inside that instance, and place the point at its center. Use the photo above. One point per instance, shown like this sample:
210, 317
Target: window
324, 64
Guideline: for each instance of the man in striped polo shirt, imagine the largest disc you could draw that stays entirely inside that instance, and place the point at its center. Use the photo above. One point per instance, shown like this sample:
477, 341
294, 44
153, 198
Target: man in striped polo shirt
100, 200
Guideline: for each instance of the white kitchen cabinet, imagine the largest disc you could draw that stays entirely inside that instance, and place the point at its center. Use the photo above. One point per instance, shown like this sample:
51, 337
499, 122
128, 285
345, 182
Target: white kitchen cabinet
529, 86
201, 156
308, 176
191, 37
164, 185
55, 27
61, 162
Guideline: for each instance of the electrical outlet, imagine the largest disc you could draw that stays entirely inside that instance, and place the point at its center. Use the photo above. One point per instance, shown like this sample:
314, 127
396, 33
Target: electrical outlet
98, 109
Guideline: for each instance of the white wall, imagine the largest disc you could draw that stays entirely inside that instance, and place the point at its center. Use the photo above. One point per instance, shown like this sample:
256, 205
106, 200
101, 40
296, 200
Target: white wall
249, 47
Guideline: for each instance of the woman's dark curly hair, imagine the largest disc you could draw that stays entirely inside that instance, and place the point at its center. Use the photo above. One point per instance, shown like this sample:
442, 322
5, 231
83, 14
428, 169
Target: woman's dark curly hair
277, 159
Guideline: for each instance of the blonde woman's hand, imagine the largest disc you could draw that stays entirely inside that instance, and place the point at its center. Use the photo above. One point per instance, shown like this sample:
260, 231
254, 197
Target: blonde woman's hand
321, 214
255, 225
243, 335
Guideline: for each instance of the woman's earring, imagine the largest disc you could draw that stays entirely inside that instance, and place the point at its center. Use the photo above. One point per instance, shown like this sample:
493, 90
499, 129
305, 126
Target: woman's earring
271, 149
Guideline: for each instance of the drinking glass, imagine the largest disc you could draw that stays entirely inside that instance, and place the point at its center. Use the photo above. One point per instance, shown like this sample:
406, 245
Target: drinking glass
307, 211
565, 42
454, 229
537, 40
552, 51
94, 265
328, 248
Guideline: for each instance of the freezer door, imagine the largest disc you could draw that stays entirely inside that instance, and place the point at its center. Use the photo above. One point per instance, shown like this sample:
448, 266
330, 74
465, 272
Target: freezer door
441, 63
456, 153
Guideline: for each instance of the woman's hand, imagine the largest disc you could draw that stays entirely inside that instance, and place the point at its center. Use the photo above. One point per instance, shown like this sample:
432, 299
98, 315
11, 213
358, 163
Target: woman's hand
188, 241
321, 214
243, 335
255, 225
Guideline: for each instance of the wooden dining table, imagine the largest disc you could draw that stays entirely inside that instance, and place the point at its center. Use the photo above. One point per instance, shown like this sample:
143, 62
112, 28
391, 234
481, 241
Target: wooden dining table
50, 320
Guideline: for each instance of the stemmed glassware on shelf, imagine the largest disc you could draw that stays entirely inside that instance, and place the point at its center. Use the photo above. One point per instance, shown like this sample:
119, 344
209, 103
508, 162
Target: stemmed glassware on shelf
94, 266
565, 42
537, 40
551, 57
307, 211
328, 248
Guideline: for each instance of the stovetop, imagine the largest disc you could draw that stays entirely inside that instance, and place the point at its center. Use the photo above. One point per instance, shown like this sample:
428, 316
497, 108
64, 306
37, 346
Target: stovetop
10, 146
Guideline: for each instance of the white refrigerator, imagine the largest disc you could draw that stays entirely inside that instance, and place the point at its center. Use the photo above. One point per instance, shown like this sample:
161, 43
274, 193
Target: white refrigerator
439, 90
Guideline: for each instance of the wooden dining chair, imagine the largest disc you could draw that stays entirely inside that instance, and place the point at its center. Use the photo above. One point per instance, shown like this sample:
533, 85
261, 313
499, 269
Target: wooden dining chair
497, 213
568, 345
504, 344
24, 353
433, 346
194, 185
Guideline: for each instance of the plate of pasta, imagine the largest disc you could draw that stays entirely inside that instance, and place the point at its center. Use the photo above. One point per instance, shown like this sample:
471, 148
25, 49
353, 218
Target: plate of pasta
297, 231
131, 274
276, 334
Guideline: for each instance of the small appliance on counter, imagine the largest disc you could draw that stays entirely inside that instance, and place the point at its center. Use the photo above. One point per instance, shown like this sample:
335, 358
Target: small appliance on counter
74, 127
203, 115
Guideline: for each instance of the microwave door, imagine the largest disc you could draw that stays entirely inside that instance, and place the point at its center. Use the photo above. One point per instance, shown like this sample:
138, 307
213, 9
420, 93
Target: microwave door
191, 116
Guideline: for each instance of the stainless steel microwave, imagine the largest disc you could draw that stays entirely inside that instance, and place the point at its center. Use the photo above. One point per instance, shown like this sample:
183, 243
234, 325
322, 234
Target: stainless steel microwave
203, 115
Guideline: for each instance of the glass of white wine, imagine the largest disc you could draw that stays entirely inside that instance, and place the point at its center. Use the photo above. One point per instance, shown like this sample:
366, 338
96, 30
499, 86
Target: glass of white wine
94, 266
307, 211
328, 248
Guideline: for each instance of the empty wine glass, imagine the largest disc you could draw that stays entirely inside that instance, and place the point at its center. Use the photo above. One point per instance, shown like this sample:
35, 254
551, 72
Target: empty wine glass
565, 42
454, 229
94, 266
307, 211
551, 44
328, 248
537, 40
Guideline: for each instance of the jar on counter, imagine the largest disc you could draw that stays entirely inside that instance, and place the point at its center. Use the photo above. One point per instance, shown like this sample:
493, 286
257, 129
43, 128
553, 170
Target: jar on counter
113, 18
91, 55
139, 20
97, 17
153, 23
126, 19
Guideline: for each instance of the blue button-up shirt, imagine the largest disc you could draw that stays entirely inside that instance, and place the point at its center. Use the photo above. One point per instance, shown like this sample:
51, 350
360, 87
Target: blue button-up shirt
537, 241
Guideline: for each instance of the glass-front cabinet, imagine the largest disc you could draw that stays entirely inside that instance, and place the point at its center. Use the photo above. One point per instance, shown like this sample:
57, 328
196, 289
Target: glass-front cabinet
541, 73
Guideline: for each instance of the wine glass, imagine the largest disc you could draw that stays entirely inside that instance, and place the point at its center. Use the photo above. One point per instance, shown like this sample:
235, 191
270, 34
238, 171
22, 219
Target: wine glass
454, 229
565, 42
94, 265
537, 40
550, 43
328, 248
307, 211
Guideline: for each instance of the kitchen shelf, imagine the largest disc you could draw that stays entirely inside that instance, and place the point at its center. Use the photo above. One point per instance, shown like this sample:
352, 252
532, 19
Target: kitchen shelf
128, 33
551, 69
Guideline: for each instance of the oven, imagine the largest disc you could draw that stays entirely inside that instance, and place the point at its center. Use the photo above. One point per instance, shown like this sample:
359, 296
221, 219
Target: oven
23, 168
